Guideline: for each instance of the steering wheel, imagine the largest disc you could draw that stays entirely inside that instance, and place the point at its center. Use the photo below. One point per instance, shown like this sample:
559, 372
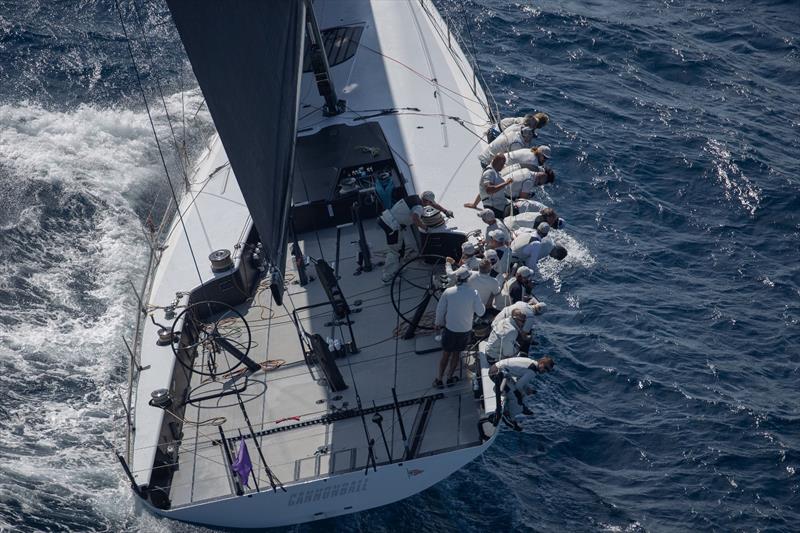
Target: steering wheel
219, 342
415, 284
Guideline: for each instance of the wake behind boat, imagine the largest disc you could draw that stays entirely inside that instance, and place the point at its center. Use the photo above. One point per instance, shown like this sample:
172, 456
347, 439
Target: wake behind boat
281, 380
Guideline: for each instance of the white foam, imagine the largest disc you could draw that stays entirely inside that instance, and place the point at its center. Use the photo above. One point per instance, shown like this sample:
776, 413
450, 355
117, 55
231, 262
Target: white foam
736, 185
578, 257
105, 158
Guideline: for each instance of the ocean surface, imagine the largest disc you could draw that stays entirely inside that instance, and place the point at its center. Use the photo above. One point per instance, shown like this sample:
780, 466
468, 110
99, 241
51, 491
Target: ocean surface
675, 404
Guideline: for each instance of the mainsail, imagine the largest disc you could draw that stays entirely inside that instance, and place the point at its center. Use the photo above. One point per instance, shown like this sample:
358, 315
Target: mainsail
247, 57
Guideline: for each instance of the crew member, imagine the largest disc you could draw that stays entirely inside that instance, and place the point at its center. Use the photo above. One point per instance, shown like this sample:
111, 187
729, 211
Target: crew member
519, 288
503, 341
515, 137
468, 259
485, 285
395, 223
514, 375
532, 159
527, 246
531, 308
498, 242
455, 312
493, 223
490, 188
533, 121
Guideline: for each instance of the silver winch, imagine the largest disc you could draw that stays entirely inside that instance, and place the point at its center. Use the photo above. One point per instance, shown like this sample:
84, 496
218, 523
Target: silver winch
161, 398
220, 260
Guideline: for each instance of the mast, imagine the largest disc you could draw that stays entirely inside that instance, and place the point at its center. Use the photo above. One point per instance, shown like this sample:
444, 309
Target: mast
319, 63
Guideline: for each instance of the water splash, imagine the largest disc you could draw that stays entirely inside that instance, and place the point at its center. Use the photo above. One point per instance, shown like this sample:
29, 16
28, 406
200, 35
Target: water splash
736, 185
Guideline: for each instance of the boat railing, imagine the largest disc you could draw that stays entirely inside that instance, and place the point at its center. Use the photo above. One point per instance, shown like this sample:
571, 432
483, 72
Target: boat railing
155, 237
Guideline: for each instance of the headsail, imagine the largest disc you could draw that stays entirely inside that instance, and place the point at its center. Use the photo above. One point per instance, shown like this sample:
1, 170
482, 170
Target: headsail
247, 56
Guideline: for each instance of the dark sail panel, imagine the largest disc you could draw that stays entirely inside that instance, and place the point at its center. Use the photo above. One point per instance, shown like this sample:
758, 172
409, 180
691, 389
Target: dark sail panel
247, 56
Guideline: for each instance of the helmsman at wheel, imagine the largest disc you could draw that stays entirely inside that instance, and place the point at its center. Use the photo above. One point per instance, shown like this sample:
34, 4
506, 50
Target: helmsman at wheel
396, 223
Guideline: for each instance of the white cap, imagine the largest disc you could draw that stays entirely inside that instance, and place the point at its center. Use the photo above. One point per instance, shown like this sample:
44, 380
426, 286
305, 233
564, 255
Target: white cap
525, 272
463, 273
429, 196
491, 255
498, 235
544, 150
486, 215
543, 229
467, 248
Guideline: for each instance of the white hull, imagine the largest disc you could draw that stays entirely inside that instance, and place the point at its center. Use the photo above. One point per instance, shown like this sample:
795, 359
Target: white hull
426, 114
327, 497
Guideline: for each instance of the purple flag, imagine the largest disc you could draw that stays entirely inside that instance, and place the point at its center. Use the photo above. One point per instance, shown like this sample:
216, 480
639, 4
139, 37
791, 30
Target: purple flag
242, 465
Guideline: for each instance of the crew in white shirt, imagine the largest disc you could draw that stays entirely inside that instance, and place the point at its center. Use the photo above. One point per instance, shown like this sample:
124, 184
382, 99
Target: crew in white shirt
455, 312
514, 375
532, 159
396, 223
531, 308
490, 188
484, 284
469, 259
514, 137
493, 223
503, 341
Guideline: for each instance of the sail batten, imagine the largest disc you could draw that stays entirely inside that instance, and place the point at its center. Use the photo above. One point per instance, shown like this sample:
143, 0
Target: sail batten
247, 57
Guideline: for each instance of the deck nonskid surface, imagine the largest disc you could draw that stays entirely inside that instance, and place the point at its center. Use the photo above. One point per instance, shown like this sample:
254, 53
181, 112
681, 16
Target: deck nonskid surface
289, 395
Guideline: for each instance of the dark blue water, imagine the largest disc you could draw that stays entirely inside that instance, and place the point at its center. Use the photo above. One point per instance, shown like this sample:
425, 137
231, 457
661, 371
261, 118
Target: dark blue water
674, 323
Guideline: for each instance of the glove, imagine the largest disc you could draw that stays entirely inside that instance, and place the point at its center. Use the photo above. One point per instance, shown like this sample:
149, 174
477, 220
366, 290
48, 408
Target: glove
526, 411
448, 213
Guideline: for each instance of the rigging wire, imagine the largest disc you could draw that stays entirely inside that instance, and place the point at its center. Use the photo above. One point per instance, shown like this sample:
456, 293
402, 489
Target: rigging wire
161, 93
158, 143
421, 75
494, 113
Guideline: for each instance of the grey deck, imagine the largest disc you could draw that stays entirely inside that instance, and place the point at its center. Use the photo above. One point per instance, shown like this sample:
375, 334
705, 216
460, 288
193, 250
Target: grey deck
383, 362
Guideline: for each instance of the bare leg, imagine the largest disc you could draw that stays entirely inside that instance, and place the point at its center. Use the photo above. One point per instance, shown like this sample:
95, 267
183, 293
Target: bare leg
455, 359
443, 364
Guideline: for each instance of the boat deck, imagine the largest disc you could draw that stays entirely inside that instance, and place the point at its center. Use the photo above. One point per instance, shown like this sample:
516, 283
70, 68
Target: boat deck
305, 430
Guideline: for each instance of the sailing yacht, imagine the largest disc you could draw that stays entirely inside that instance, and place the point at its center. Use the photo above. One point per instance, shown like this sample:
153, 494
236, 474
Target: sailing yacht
276, 377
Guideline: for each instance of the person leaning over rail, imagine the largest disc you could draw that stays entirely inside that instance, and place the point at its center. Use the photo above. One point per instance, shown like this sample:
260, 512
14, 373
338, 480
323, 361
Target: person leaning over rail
519, 288
530, 246
455, 312
503, 341
513, 375
515, 137
533, 121
516, 186
531, 308
530, 158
